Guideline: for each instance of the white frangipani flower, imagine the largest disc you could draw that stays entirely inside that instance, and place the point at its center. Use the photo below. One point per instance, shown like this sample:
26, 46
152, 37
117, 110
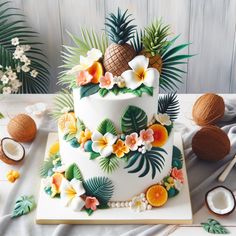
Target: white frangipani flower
71, 192
15, 41
34, 73
137, 204
94, 54
140, 73
4, 79
164, 119
103, 143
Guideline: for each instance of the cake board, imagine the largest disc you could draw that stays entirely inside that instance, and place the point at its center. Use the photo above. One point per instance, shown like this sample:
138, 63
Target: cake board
177, 210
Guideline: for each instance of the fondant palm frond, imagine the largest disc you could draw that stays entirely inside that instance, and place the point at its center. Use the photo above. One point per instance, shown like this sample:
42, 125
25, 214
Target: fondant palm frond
109, 164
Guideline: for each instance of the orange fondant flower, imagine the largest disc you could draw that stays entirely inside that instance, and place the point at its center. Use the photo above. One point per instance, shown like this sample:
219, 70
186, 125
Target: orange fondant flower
119, 148
83, 78
91, 203
177, 174
84, 136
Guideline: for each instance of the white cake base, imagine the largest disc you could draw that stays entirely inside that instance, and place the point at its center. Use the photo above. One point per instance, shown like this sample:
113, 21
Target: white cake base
176, 211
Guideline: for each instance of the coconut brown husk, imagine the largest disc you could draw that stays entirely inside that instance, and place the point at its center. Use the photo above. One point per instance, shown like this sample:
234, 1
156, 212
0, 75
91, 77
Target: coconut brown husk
22, 128
208, 109
211, 143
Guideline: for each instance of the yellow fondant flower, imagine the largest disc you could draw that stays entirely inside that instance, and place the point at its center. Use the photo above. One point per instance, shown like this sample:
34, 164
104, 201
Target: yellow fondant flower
71, 194
103, 143
140, 73
13, 175
84, 136
119, 148
169, 183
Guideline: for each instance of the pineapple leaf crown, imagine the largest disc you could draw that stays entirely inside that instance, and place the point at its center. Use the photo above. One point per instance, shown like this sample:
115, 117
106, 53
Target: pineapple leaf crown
155, 37
119, 28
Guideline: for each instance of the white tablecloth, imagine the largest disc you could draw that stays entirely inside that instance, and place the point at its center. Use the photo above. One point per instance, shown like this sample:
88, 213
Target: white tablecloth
202, 175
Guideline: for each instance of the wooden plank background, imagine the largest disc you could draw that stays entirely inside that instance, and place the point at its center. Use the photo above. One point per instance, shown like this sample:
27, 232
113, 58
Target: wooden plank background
208, 24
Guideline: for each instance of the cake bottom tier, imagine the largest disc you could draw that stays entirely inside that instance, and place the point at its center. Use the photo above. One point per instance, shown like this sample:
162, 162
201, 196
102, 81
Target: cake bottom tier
126, 185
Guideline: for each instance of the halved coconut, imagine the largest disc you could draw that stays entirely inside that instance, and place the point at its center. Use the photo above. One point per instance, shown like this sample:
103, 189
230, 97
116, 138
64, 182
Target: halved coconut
11, 152
220, 200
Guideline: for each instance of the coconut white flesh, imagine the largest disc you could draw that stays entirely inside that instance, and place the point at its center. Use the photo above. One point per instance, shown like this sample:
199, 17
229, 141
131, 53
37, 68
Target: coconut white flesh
220, 201
12, 149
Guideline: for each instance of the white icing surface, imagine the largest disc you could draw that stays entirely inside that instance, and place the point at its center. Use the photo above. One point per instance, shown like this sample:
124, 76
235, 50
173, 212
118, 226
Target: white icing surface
126, 184
94, 109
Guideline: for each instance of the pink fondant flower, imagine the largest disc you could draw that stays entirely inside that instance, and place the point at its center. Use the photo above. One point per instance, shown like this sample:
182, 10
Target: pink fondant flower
107, 81
91, 203
83, 77
146, 136
177, 174
132, 141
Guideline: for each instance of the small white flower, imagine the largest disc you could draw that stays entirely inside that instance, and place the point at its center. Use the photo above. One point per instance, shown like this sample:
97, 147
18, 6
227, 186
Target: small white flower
1, 66
34, 73
137, 204
15, 41
25, 68
94, 54
1, 74
6, 90
178, 184
148, 146
8, 68
71, 192
12, 75
15, 84
28, 62
164, 119
4, 79
23, 58
18, 52
25, 47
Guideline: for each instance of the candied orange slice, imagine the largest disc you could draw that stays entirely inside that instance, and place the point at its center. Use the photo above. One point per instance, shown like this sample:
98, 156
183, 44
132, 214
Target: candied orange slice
156, 195
160, 135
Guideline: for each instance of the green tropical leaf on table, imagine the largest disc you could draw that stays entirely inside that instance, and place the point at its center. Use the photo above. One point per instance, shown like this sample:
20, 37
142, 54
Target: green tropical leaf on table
171, 75
99, 187
133, 120
151, 161
73, 172
169, 104
88, 90
107, 126
214, 227
71, 56
63, 101
109, 164
12, 25
23, 206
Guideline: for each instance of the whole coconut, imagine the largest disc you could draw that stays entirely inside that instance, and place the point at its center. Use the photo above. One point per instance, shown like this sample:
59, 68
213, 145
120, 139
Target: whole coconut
208, 109
22, 128
211, 143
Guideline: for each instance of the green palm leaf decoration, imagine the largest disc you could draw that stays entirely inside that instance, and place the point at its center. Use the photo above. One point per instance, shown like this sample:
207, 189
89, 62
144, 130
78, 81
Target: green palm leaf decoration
109, 164
23, 206
169, 104
71, 56
136, 42
214, 227
133, 120
170, 73
10, 28
151, 161
99, 187
107, 126
46, 168
63, 102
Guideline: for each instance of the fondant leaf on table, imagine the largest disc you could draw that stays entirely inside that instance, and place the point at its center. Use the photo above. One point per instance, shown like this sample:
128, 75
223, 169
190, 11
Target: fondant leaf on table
23, 206
169, 104
214, 227
109, 164
99, 187
88, 90
133, 120
107, 127
73, 172
152, 161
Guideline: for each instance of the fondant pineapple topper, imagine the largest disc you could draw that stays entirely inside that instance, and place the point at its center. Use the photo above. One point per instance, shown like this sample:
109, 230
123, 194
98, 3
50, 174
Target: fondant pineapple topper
135, 62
